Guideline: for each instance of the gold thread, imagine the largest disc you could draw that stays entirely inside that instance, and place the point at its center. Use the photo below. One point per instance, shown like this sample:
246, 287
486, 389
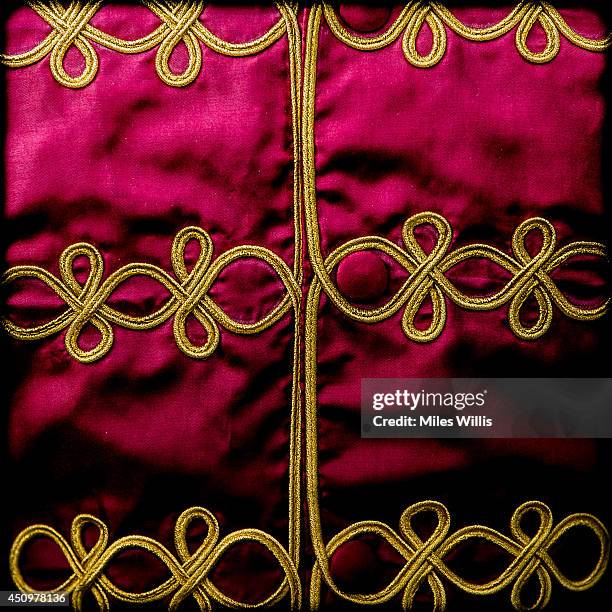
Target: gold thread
180, 22
416, 13
425, 559
87, 303
71, 27
530, 276
190, 572
294, 41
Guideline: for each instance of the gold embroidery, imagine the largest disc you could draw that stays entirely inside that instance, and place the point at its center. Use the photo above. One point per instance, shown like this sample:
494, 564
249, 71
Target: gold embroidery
425, 560
180, 23
189, 296
294, 40
530, 276
190, 572
531, 556
418, 12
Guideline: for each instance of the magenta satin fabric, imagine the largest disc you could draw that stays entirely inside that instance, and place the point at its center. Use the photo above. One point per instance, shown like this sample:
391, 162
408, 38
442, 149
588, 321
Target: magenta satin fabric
484, 138
124, 164
487, 140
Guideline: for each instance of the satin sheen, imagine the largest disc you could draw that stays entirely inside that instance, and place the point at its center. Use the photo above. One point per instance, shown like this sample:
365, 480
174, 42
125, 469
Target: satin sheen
484, 138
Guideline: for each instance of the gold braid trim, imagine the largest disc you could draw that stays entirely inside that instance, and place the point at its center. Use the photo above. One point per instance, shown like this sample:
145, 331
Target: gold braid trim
530, 277
190, 572
189, 296
288, 11
530, 274
411, 19
425, 560
71, 27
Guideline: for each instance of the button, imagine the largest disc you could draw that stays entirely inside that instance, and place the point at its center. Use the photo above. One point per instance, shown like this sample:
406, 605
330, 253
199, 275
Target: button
364, 17
363, 277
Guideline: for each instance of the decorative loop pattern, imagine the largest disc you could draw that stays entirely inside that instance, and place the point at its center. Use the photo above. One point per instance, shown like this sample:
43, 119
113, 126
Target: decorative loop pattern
181, 23
531, 557
190, 572
427, 277
87, 303
425, 559
437, 17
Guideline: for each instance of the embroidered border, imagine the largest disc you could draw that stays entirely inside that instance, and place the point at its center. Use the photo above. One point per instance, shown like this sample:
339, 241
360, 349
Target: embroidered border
190, 572
181, 22
426, 278
418, 12
425, 559
87, 302
71, 27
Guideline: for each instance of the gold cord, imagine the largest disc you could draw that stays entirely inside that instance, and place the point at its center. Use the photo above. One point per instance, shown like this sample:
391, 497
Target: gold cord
87, 303
425, 559
288, 11
180, 22
190, 572
418, 12
530, 277
71, 27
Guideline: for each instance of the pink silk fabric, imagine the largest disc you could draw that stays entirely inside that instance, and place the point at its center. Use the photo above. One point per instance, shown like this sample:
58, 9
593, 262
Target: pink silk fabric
124, 164
484, 138
487, 140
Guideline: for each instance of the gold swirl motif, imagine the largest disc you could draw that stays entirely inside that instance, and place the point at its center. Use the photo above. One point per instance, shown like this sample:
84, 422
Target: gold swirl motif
530, 277
188, 296
425, 559
418, 12
190, 572
71, 27
531, 557
530, 274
